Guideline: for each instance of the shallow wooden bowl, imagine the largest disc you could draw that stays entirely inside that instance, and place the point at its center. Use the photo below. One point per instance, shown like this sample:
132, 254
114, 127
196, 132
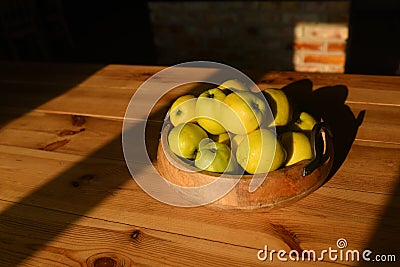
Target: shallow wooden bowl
280, 187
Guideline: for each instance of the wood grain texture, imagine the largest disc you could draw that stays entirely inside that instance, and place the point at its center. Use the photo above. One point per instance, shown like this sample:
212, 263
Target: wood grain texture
76, 185
364, 88
90, 241
61, 158
101, 139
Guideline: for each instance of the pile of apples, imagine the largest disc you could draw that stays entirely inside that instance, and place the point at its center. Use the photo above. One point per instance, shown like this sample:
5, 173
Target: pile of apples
231, 129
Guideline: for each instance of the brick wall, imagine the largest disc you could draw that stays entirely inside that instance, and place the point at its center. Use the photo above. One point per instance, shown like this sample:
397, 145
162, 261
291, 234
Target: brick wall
271, 35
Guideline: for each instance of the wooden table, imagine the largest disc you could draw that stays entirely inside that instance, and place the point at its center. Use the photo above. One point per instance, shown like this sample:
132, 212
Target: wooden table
68, 199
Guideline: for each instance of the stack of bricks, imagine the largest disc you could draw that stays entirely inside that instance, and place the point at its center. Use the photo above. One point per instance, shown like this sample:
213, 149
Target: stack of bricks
267, 35
320, 47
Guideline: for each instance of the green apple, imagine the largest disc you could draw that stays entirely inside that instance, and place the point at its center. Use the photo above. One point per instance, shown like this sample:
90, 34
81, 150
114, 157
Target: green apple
305, 122
243, 112
183, 110
215, 157
207, 110
297, 146
260, 152
234, 85
280, 106
184, 139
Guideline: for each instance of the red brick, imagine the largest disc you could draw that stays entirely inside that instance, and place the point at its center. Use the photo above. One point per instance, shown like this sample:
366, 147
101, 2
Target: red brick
293, 18
227, 18
290, 5
269, 5
168, 29
191, 5
334, 69
342, 6
338, 18
310, 46
260, 18
248, 5
324, 59
164, 6
315, 6
326, 31
337, 47
309, 68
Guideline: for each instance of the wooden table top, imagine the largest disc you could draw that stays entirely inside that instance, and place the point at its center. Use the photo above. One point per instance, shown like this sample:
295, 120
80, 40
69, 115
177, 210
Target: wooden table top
68, 199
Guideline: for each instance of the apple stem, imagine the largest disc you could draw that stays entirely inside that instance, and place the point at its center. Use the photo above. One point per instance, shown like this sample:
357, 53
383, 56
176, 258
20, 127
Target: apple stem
254, 105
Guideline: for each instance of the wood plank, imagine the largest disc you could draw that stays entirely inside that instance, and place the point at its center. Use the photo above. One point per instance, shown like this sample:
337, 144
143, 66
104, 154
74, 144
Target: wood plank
86, 135
362, 88
101, 101
85, 101
103, 189
63, 74
369, 168
72, 134
101, 138
360, 203
32, 236
381, 123
71, 74
96, 101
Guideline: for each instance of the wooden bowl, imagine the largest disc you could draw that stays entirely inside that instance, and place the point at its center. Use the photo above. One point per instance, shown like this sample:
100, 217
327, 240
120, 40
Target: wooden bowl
280, 187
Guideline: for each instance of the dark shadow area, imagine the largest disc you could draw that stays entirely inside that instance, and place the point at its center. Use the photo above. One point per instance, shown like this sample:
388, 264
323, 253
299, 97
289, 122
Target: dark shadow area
374, 37
63, 31
16, 93
328, 104
76, 31
385, 238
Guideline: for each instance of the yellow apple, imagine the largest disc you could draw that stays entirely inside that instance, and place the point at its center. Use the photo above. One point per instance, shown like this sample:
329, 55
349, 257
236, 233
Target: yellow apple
215, 157
236, 141
222, 138
183, 110
260, 152
184, 139
243, 112
305, 122
280, 106
234, 85
207, 110
297, 146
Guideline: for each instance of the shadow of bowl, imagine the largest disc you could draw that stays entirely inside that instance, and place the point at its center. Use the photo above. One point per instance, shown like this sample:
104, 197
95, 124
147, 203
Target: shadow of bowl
328, 103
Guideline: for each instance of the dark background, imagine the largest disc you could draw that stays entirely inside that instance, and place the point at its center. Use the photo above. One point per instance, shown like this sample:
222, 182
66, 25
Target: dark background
120, 32
374, 37
76, 31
